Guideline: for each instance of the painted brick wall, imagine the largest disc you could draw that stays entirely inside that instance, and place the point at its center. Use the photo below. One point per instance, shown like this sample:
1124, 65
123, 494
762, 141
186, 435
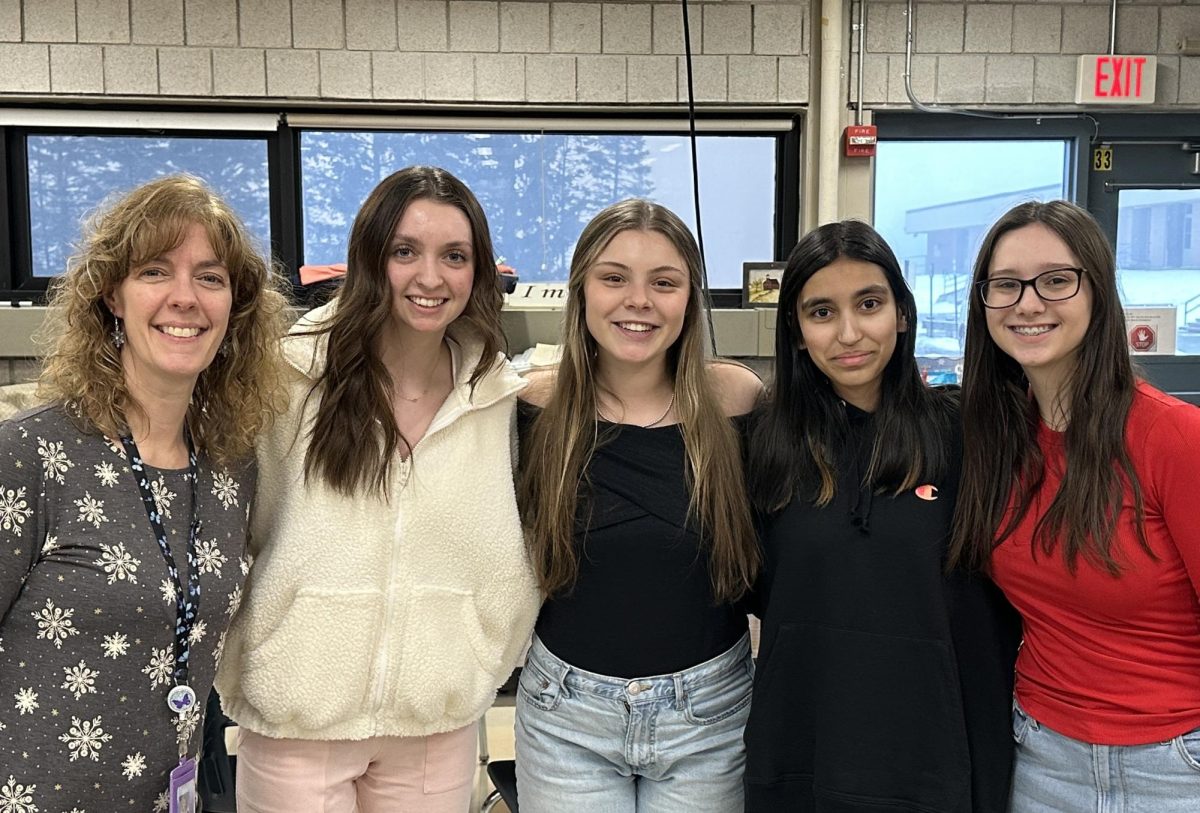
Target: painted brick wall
404, 50
1021, 53
567, 52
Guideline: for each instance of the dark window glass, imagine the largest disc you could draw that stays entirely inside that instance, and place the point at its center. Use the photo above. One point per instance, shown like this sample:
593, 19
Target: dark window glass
70, 176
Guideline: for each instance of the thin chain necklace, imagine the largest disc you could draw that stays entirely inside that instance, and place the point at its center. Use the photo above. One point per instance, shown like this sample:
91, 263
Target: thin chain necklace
413, 399
653, 423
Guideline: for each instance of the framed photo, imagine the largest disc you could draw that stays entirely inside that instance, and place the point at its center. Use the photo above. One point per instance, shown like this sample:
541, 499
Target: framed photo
760, 284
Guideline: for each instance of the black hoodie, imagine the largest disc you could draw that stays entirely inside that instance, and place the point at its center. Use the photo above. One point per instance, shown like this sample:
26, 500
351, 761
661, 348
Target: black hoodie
883, 685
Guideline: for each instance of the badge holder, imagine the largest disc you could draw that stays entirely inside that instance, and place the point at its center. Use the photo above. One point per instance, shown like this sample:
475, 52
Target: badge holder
183, 794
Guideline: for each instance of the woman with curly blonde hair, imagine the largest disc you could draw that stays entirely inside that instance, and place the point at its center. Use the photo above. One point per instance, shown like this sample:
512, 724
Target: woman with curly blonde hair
123, 500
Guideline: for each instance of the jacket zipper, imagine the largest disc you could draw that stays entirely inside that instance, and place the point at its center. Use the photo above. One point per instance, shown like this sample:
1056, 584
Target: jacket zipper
381, 657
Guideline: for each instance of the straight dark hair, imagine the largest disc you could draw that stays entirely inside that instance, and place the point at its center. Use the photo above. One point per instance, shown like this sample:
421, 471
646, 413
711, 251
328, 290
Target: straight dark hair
803, 421
354, 440
1001, 458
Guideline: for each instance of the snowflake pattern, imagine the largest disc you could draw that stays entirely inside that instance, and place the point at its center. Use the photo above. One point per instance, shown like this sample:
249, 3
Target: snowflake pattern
225, 489
219, 648
116, 645
84, 546
16, 798
162, 664
26, 700
209, 557
106, 474
55, 624
14, 509
161, 803
133, 765
199, 629
118, 563
235, 600
163, 497
185, 725
85, 738
90, 510
55, 462
80, 680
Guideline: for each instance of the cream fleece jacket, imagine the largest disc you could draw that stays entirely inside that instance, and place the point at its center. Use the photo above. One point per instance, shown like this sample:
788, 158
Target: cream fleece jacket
366, 618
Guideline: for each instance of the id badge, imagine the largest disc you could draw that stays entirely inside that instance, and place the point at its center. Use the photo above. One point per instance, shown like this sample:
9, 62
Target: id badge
182, 792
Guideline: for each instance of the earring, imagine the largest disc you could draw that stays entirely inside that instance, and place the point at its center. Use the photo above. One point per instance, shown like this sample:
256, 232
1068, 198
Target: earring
223, 348
118, 333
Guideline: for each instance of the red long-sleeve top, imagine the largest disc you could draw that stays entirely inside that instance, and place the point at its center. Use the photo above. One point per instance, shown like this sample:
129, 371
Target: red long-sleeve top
1116, 660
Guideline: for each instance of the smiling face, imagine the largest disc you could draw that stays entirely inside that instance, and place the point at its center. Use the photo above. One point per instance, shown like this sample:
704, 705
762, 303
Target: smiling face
175, 310
1043, 337
848, 324
636, 298
430, 267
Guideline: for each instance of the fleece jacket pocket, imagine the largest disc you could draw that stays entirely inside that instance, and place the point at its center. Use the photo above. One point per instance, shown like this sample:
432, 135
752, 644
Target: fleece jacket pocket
314, 669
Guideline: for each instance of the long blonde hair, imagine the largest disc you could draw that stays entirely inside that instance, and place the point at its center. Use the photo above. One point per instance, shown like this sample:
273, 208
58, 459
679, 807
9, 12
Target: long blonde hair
565, 435
239, 393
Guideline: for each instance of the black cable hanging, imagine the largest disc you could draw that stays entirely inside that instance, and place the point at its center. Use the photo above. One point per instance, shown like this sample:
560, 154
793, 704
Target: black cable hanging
691, 103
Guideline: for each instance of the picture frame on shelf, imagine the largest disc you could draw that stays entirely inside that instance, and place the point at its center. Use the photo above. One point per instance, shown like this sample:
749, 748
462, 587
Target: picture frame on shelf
760, 284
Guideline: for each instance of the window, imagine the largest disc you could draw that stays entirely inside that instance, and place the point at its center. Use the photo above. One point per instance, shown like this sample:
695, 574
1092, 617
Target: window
934, 201
1158, 257
70, 175
540, 189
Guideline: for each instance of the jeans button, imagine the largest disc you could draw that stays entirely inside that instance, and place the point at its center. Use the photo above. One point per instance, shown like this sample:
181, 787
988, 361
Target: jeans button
634, 688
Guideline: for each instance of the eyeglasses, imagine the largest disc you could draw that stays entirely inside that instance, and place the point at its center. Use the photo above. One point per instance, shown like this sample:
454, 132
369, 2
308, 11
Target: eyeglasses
1050, 286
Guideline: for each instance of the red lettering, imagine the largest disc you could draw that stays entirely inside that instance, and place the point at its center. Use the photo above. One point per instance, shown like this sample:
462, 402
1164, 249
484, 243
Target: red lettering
1118, 64
1101, 76
1140, 62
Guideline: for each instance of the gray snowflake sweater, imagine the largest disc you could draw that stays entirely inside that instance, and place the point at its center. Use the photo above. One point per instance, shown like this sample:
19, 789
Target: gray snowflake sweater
87, 615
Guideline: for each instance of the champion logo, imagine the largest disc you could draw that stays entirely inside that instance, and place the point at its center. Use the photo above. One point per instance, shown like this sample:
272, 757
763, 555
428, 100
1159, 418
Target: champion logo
926, 492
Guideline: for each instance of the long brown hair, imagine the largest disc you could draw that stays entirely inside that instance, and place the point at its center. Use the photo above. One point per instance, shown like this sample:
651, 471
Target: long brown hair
1001, 457
565, 434
354, 439
240, 392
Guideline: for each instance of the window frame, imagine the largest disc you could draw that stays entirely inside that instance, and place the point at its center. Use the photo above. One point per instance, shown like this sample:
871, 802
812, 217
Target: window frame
1179, 375
22, 284
19, 285
788, 156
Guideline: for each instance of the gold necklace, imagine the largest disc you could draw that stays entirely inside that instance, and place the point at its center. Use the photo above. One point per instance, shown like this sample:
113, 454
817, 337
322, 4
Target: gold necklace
653, 423
413, 399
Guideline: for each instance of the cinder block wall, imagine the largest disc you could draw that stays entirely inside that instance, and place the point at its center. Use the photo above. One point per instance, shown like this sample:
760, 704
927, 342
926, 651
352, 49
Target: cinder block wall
404, 50
1007, 54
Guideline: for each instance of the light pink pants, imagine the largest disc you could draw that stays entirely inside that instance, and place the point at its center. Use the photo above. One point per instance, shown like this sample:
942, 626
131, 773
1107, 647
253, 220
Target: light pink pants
381, 775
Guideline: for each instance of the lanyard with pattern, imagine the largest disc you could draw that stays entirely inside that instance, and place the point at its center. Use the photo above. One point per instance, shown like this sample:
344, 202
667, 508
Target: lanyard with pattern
181, 698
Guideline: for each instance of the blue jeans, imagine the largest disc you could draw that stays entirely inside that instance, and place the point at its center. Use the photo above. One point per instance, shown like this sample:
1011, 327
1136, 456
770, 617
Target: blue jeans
1057, 774
661, 744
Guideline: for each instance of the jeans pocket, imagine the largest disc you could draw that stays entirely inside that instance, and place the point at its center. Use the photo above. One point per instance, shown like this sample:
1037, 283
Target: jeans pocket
721, 699
538, 689
1188, 747
1020, 724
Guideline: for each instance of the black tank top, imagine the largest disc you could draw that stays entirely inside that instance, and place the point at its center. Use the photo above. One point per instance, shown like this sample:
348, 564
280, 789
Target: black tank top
643, 603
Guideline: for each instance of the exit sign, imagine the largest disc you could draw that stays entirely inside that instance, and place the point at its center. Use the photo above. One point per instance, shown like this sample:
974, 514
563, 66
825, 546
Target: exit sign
1116, 79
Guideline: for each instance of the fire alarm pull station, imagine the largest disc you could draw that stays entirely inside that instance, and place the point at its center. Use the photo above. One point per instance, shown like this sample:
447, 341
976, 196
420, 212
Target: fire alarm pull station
861, 140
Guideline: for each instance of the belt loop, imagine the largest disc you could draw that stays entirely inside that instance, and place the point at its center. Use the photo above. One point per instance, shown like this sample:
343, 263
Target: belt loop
563, 670
680, 692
